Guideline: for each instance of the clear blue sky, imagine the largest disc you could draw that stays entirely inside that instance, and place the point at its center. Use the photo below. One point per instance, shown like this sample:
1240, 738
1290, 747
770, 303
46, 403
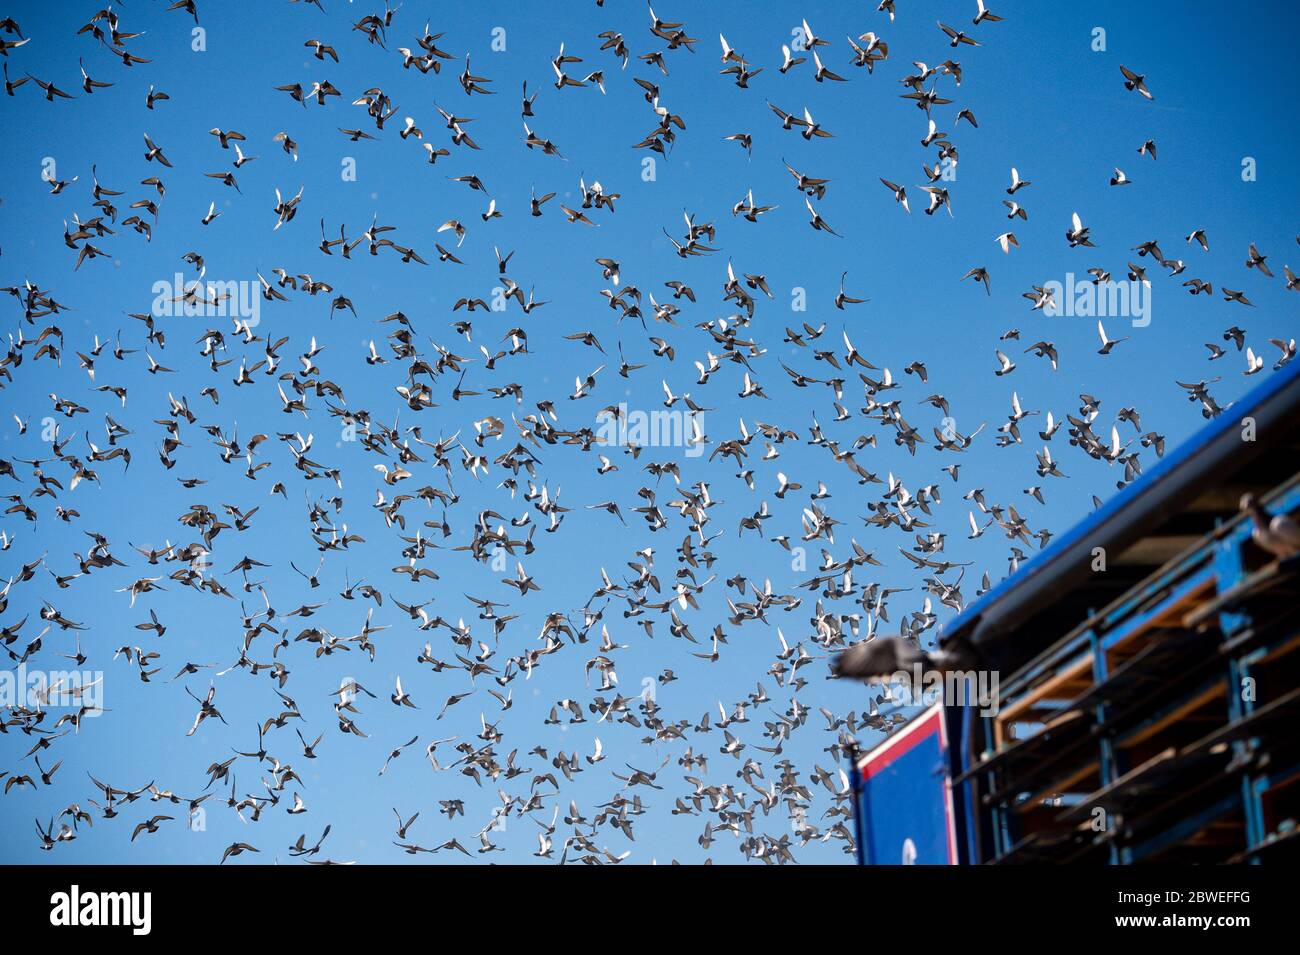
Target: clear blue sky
1046, 103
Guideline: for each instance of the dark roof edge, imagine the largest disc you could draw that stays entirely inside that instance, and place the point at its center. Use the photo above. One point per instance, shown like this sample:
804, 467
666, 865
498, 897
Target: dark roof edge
1159, 493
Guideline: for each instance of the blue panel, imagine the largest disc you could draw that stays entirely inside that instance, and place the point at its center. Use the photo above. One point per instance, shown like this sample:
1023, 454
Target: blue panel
904, 806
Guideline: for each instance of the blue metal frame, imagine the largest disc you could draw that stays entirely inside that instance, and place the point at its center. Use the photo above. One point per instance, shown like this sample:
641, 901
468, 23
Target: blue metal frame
989, 830
1028, 575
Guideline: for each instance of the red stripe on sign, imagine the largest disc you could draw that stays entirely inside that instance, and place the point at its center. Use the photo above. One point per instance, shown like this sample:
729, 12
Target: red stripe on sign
902, 743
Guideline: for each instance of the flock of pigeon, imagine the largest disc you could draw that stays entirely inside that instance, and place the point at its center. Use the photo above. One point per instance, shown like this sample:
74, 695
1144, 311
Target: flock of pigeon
449, 468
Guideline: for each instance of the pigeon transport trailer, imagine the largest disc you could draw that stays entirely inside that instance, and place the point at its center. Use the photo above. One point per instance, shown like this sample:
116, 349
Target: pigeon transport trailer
1149, 678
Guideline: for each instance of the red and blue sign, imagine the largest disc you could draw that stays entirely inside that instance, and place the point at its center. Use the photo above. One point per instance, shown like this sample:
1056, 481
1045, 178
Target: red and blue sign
905, 807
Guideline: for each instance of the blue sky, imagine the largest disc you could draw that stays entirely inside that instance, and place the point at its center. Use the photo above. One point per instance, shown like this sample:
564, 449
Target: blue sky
1046, 102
